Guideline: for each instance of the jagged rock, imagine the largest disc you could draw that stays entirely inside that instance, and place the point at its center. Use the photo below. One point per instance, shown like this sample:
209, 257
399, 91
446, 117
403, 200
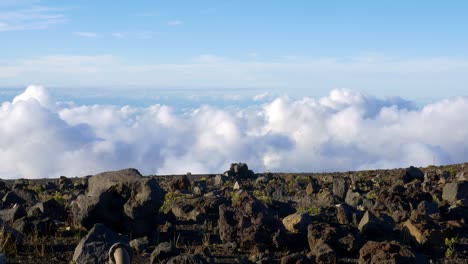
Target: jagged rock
353, 198
455, 191
323, 253
412, 173
462, 176
51, 208
139, 244
187, 259
375, 227
20, 184
296, 223
425, 233
296, 258
262, 180
385, 252
219, 180
49, 186
354, 182
123, 200
248, 222
39, 225
8, 231
64, 183
345, 239
427, 208
180, 183
340, 187
347, 215
239, 171
184, 211
312, 187
20, 197
163, 251
95, 246
13, 214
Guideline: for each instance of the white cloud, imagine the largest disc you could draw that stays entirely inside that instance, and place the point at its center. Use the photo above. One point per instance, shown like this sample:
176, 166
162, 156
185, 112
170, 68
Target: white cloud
345, 130
175, 23
34, 18
262, 96
85, 34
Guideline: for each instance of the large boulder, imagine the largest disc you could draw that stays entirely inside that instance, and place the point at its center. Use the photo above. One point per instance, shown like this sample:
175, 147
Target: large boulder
297, 222
340, 187
163, 251
385, 252
124, 200
424, 233
51, 208
376, 226
347, 215
412, 173
42, 226
455, 191
95, 246
13, 214
19, 197
323, 253
248, 222
239, 171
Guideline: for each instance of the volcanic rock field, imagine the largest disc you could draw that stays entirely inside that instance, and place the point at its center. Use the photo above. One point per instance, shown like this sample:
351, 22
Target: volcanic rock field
409, 215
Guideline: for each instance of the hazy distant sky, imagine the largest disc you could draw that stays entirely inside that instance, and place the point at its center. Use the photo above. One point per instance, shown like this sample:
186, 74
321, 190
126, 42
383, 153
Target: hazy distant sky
416, 49
176, 86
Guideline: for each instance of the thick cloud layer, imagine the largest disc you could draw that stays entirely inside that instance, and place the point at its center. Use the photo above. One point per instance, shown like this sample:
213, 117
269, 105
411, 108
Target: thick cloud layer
344, 131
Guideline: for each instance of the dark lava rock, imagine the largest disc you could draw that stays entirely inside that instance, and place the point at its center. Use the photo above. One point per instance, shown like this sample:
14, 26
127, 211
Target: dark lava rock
385, 252
376, 227
20, 197
139, 244
345, 239
296, 258
239, 171
340, 187
13, 214
163, 251
427, 208
41, 226
323, 253
347, 215
179, 184
122, 200
53, 209
95, 246
64, 183
412, 173
8, 231
425, 234
187, 259
248, 222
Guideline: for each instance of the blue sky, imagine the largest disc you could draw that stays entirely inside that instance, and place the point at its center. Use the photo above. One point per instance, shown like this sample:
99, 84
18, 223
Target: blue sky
414, 49
281, 85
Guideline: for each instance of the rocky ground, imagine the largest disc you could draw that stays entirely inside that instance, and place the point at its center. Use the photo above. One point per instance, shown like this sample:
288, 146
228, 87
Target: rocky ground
413, 215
